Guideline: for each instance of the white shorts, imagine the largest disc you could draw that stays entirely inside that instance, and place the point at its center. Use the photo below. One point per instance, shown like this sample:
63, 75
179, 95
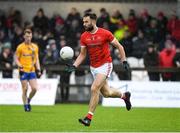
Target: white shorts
105, 69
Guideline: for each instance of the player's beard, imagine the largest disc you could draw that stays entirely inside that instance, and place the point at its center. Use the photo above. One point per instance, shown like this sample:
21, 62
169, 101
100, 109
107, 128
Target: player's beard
90, 28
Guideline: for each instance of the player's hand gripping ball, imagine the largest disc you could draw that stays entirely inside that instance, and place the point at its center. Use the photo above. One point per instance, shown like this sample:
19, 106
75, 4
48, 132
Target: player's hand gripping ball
126, 65
66, 53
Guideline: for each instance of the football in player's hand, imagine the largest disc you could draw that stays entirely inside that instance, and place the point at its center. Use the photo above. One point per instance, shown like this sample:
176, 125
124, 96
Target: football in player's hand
66, 53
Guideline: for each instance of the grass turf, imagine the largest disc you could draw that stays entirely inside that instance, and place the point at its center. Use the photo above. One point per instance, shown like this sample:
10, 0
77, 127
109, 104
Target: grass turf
64, 118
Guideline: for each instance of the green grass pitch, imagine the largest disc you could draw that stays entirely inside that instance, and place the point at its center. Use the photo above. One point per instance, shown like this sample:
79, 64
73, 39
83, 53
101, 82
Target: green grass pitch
64, 118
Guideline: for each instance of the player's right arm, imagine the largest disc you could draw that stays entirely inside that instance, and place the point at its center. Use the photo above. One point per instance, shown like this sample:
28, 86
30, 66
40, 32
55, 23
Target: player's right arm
17, 56
81, 56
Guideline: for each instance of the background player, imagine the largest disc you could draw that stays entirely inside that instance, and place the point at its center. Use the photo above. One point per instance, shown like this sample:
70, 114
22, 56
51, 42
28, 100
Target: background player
27, 59
96, 41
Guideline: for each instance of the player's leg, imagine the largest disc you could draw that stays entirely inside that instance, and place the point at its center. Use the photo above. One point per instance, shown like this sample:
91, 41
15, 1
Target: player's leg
33, 84
108, 91
24, 85
95, 91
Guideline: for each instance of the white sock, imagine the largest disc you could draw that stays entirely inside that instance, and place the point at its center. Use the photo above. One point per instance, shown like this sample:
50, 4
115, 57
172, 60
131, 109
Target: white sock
90, 113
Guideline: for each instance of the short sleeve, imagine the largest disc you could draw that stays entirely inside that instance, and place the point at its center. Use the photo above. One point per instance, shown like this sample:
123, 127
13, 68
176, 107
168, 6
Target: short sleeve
110, 36
18, 51
82, 41
37, 50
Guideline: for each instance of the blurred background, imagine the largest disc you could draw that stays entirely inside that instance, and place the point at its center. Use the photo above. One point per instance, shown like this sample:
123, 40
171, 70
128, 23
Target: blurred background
149, 30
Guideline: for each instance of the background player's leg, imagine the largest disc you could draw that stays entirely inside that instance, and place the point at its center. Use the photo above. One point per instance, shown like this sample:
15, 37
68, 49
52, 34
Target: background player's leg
33, 84
24, 84
108, 91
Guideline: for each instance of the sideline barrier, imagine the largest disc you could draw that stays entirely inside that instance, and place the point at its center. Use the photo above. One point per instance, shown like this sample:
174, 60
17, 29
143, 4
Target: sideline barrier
11, 93
147, 94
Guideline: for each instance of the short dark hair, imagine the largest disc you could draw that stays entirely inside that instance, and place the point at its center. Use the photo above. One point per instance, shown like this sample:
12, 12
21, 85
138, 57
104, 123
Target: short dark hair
27, 30
91, 15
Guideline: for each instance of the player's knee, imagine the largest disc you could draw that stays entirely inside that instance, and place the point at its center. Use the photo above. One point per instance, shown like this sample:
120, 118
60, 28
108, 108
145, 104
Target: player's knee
24, 90
34, 90
106, 94
94, 89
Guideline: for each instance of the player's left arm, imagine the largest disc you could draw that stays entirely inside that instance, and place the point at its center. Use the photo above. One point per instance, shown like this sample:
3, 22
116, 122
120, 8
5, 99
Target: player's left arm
37, 64
120, 48
122, 54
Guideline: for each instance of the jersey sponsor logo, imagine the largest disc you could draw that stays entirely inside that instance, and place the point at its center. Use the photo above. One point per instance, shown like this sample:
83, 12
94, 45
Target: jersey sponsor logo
88, 39
27, 55
94, 44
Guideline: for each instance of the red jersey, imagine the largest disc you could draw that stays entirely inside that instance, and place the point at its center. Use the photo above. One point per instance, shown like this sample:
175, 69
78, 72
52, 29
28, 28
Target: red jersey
97, 45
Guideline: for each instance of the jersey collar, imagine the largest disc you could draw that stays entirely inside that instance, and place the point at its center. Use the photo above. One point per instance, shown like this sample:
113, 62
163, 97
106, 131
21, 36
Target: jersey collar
94, 31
